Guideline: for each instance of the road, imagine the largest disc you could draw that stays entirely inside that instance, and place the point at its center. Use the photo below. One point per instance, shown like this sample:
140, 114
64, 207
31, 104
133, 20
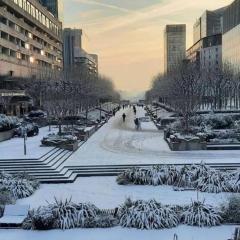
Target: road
119, 143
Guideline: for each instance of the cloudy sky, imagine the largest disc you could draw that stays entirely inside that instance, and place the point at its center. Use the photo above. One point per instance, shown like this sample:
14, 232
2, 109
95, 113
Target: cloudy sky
128, 34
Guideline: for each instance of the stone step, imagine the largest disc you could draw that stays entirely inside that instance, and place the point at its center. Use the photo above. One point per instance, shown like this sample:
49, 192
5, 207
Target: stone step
62, 157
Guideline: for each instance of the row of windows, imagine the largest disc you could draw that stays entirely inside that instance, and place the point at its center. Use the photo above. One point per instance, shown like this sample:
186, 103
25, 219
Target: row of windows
28, 34
23, 57
38, 15
20, 43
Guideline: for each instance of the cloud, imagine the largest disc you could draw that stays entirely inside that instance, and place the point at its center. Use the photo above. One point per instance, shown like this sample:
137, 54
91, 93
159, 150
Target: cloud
101, 4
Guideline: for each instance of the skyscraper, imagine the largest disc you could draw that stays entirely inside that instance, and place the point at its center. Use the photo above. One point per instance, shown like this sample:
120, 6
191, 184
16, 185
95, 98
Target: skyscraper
75, 50
231, 35
55, 7
174, 45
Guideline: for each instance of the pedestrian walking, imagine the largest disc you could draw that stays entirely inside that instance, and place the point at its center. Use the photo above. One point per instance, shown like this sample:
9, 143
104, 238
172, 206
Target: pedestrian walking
136, 121
124, 117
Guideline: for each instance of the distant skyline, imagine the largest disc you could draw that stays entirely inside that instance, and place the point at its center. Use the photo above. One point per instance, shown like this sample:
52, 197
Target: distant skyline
128, 34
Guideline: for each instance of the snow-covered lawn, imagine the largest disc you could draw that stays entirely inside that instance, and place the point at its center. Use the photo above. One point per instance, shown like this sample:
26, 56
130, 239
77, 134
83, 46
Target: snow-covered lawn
118, 233
104, 192
13, 148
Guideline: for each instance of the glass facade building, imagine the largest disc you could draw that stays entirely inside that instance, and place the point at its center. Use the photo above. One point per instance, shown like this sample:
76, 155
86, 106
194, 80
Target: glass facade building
210, 23
231, 35
174, 45
55, 7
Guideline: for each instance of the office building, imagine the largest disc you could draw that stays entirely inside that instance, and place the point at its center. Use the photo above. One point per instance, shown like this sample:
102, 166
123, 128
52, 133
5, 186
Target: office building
231, 35
207, 53
210, 23
174, 46
76, 50
55, 7
30, 40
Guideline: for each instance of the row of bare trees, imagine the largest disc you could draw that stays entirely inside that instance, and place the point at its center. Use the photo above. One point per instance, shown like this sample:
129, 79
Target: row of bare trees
70, 92
186, 89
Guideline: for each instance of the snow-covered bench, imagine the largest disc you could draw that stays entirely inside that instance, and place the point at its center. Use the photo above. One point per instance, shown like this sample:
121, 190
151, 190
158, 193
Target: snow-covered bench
14, 215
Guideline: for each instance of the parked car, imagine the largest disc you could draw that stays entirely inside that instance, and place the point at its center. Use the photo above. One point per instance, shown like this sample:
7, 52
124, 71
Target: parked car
31, 130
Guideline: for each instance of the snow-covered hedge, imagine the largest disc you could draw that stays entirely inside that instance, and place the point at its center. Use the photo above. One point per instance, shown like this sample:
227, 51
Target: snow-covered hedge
7, 122
199, 177
201, 215
55, 140
20, 186
147, 215
231, 210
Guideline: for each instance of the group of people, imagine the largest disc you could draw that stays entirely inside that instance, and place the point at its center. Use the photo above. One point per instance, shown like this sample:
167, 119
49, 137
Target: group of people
137, 121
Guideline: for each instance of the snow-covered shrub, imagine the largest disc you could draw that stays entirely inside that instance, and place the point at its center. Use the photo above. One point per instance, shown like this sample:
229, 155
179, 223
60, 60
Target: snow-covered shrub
185, 178
6, 197
231, 210
157, 175
19, 186
8, 122
71, 215
213, 182
219, 121
43, 219
147, 215
201, 215
56, 140
138, 176
234, 182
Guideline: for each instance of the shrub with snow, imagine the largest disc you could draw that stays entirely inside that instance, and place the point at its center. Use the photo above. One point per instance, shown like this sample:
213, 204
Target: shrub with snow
201, 215
147, 215
234, 182
200, 177
138, 176
71, 215
231, 210
8, 122
42, 219
19, 186
6, 197
213, 182
56, 140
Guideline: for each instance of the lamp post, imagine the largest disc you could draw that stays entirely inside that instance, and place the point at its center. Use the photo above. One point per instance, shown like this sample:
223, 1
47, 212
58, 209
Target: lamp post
24, 133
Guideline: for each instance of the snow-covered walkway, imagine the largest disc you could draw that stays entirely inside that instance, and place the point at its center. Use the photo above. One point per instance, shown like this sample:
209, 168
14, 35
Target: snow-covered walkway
119, 143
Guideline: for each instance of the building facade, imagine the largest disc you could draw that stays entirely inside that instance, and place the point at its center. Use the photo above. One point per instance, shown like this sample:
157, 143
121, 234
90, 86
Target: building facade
231, 35
210, 23
75, 51
174, 46
30, 40
55, 7
207, 53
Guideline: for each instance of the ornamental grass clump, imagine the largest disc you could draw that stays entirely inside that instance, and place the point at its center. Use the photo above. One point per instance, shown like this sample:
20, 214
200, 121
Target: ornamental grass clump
213, 182
147, 215
201, 215
19, 185
71, 215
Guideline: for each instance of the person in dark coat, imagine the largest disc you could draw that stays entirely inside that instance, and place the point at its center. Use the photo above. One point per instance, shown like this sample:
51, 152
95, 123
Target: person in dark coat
124, 117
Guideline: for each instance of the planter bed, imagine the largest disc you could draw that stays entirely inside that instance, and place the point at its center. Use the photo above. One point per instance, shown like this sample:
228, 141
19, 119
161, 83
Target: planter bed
187, 145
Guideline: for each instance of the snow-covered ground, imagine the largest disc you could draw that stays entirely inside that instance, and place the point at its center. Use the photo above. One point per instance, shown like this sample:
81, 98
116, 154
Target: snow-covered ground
118, 233
104, 192
120, 143
14, 148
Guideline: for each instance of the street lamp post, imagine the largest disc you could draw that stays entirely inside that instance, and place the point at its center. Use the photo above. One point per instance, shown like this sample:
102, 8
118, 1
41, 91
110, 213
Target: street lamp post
25, 139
